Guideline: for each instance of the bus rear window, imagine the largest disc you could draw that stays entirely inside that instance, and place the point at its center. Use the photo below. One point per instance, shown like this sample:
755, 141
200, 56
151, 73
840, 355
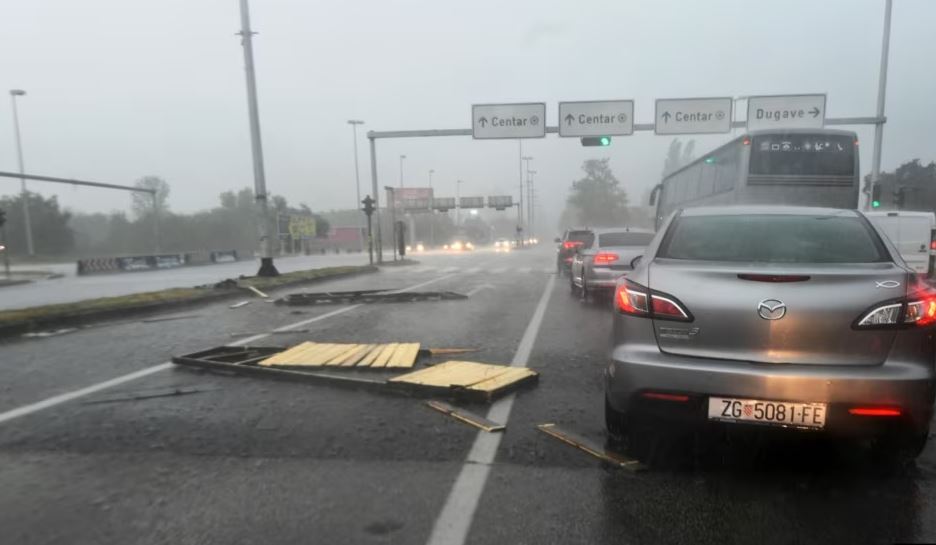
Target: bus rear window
803, 155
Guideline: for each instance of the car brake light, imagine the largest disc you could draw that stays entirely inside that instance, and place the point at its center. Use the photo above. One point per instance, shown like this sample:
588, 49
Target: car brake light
631, 298
921, 312
933, 245
874, 411
569, 244
665, 397
604, 258
774, 277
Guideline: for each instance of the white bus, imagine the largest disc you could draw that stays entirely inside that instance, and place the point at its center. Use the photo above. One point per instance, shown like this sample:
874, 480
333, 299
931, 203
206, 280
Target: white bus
806, 167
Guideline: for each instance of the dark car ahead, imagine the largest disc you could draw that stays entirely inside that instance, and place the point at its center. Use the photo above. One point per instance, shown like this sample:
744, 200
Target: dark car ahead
571, 240
786, 317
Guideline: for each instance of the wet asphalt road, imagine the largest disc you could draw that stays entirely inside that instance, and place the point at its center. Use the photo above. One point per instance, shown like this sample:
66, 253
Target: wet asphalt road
244, 460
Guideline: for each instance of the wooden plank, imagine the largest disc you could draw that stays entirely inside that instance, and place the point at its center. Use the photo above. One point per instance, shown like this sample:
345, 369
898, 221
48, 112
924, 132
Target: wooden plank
322, 356
369, 359
339, 357
304, 354
588, 446
452, 373
286, 355
351, 359
464, 416
385, 354
404, 356
508, 377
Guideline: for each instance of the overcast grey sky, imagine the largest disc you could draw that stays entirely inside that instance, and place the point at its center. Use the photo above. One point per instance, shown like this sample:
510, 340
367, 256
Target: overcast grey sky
118, 89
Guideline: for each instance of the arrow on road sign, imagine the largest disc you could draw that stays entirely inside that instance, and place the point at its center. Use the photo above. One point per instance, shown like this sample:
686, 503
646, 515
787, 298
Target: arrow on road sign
814, 111
666, 116
569, 119
483, 121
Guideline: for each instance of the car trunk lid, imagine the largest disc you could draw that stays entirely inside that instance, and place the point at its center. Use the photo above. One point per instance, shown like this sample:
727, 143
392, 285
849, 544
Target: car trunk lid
777, 314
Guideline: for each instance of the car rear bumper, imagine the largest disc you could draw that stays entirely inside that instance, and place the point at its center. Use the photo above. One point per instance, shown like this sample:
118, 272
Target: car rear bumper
603, 278
635, 371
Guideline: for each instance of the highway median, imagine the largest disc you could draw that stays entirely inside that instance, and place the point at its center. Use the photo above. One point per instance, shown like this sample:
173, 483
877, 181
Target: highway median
24, 320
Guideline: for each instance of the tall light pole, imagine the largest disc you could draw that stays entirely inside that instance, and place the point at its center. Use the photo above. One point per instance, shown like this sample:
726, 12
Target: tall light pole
402, 157
520, 201
530, 174
357, 175
260, 194
522, 159
458, 184
882, 88
24, 195
431, 212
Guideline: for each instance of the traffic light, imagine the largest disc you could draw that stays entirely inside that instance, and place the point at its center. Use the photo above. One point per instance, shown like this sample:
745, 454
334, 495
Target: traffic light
876, 196
899, 194
602, 141
368, 203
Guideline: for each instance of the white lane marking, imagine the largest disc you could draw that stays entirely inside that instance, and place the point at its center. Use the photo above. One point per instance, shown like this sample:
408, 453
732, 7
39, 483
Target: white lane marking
69, 396
479, 288
453, 523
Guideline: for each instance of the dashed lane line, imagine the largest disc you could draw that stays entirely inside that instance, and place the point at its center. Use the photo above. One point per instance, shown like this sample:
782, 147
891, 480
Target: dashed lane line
454, 521
94, 388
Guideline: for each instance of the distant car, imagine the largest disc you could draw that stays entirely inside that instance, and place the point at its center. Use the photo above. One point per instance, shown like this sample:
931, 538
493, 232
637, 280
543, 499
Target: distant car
568, 242
787, 317
598, 266
459, 245
503, 245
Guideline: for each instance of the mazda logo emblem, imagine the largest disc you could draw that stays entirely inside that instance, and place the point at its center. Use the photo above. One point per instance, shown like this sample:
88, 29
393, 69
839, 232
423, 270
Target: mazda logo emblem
771, 309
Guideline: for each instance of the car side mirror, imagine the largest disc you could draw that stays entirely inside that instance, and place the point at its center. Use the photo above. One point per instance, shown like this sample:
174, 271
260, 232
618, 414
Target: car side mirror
558, 240
636, 261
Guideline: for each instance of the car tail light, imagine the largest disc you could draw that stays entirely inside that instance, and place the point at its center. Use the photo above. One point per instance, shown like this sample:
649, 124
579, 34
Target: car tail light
666, 397
874, 411
569, 244
631, 298
919, 310
604, 258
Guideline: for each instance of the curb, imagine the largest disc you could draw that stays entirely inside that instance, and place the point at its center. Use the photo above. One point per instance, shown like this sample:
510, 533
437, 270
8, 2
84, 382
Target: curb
209, 296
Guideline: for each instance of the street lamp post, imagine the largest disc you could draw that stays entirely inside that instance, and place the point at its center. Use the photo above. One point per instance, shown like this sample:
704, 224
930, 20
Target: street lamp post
260, 193
458, 184
520, 208
530, 174
402, 157
30, 248
431, 213
357, 176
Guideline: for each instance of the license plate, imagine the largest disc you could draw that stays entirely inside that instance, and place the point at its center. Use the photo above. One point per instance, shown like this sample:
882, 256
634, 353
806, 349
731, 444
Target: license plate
777, 413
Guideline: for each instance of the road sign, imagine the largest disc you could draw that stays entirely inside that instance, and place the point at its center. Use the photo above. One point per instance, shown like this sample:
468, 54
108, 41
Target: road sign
693, 115
596, 118
508, 120
443, 203
500, 202
471, 202
786, 112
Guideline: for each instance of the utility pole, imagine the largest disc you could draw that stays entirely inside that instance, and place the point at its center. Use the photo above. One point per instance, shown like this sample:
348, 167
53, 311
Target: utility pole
260, 193
24, 195
520, 203
458, 184
527, 159
357, 176
402, 157
530, 174
882, 88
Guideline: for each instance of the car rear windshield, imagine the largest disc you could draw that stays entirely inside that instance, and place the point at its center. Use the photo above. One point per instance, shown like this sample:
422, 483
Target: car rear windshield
774, 239
585, 237
624, 239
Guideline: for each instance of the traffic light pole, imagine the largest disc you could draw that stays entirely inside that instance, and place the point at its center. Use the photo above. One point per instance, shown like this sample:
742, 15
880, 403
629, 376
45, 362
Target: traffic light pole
882, 88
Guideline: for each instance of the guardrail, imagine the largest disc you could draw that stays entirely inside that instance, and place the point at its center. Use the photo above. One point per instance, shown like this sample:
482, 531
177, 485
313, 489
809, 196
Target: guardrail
97, 265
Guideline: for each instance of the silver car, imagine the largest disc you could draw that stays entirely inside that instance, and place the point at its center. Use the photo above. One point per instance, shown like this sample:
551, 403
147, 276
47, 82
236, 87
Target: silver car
799, 318
608, 256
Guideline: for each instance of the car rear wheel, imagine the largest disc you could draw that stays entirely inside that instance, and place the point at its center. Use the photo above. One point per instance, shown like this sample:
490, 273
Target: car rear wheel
898, 449
615, 423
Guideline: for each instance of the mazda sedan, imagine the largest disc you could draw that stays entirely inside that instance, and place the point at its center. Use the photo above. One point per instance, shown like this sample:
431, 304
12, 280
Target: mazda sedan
796, 318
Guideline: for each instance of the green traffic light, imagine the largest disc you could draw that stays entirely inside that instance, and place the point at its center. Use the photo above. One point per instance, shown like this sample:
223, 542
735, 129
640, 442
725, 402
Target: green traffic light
605, 141
875, 204
709, 160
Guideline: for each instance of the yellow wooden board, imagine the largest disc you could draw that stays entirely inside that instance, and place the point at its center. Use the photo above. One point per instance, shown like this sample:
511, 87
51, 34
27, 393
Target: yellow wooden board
480, 377
356, 355
367, 360
385, 354
404, 355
